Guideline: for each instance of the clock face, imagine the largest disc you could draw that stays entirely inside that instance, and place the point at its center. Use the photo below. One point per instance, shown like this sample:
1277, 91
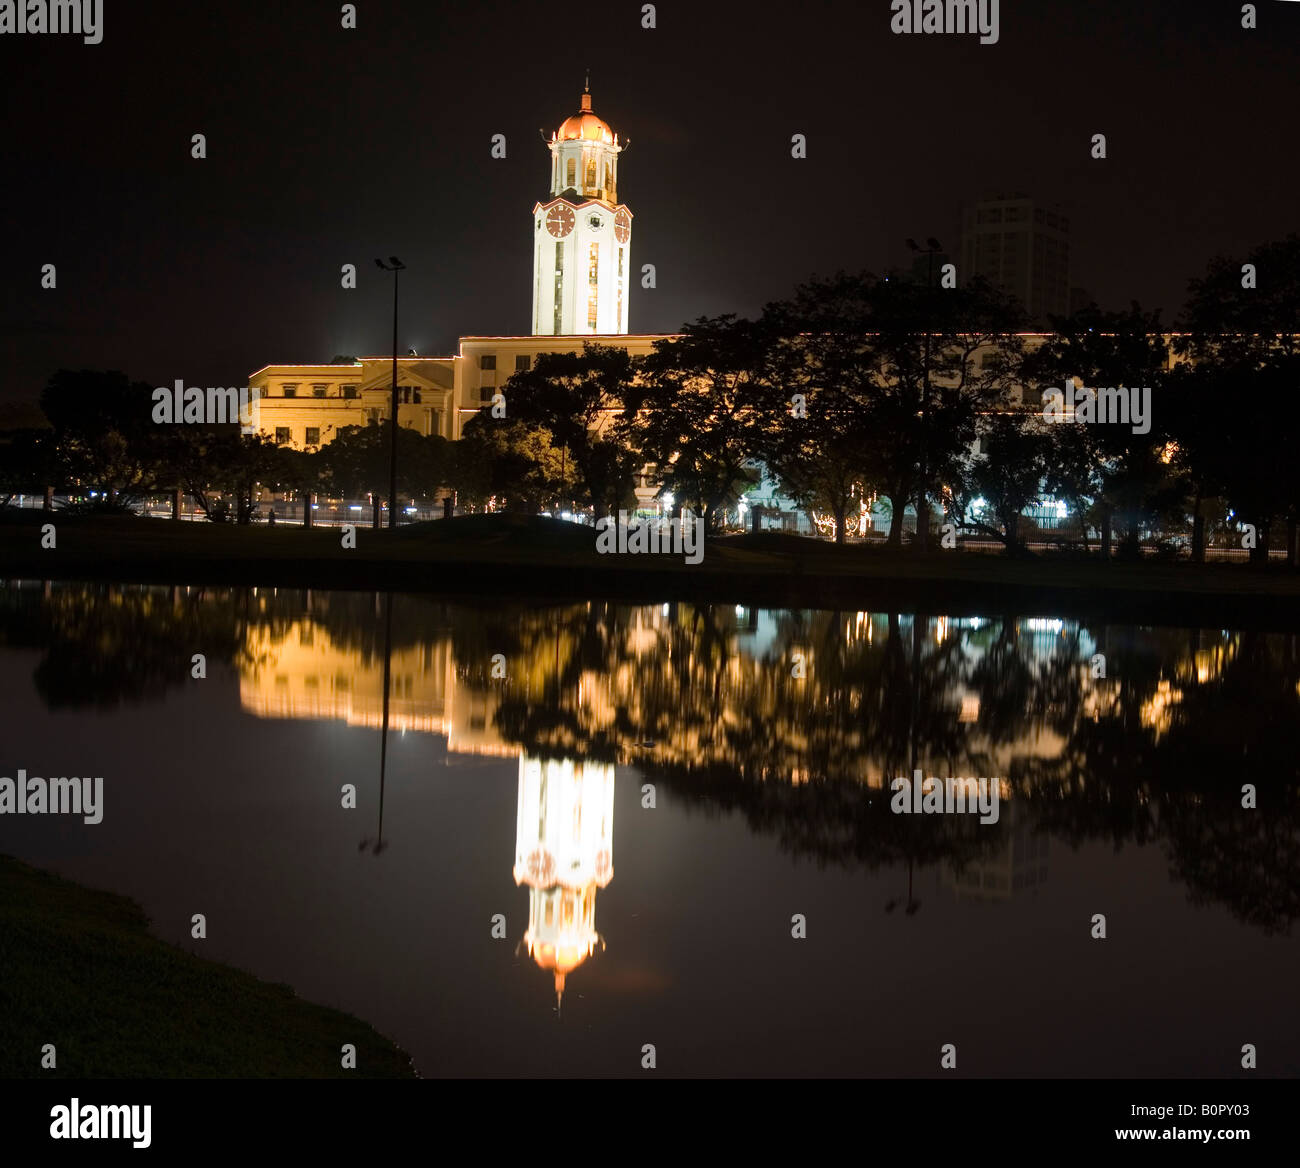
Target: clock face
622, 226
559, 220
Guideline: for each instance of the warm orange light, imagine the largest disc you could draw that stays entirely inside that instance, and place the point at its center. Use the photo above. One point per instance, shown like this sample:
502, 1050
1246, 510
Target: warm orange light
585, 125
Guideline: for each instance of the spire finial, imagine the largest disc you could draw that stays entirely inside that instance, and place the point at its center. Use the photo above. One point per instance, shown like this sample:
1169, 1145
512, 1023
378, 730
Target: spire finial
586, 85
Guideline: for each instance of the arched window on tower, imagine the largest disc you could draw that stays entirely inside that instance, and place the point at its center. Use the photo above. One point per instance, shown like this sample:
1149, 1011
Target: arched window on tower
570, 172
591, 172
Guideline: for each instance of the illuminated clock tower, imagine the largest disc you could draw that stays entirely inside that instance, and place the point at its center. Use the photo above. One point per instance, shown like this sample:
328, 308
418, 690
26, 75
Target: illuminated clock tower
564, 852
582, 235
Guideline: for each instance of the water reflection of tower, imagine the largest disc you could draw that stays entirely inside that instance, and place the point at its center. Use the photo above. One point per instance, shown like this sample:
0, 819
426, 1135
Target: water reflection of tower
1019, 866
564, 851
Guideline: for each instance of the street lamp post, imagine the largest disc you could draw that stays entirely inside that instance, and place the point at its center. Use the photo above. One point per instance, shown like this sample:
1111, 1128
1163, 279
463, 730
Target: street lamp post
932, 248
395, 266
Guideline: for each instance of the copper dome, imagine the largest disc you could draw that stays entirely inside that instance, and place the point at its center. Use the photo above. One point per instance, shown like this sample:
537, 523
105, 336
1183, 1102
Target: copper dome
586, 125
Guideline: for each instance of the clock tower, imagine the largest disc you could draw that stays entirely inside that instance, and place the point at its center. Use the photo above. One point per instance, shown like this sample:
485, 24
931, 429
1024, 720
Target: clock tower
582, 234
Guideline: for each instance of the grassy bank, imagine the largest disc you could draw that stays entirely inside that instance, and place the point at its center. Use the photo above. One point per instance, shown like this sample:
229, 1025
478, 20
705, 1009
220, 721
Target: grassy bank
81, 971
539, 558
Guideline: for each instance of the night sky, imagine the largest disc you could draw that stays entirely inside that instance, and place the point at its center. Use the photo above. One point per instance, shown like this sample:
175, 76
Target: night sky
328, 146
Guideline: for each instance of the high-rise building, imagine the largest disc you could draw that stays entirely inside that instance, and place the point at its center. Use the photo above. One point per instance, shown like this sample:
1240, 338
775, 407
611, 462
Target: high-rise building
1021, 247
582, 235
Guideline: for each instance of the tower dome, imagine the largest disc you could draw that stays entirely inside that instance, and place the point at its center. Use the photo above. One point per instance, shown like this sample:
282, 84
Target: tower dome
585, 125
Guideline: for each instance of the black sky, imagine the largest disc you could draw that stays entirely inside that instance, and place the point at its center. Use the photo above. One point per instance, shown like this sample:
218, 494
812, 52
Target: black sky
328, 146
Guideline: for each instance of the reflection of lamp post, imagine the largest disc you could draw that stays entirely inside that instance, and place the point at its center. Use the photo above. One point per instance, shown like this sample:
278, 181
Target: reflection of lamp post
379, 844
397, 266
912, 905
932, 248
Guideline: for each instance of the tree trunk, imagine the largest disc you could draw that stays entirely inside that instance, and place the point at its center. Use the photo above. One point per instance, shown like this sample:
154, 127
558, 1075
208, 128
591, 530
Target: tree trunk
895, 539
1105, 536
839, 524
1259, 553
1198, 532
1011, 524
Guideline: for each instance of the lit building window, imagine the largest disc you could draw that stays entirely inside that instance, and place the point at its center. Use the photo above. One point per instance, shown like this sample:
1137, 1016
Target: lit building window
313, 436
318, 390
593, 267
282, 435
591, 172
290, 391
570, 172
522, 362
487, 361
349, 391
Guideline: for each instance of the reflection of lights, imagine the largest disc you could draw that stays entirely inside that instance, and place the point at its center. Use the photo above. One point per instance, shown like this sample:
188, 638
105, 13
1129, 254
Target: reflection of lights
940, 630
854, 631
740, 612
970, 708
1157, 714
564, 853
1038, 625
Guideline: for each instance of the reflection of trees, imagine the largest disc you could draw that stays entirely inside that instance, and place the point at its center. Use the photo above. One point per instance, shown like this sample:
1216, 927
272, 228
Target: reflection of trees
106, 645
1134, 757
1164, 755
109, 645
834, 821
712, 707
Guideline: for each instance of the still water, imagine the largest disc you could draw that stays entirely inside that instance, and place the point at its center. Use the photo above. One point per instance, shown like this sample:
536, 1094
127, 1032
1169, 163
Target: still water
652, 797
